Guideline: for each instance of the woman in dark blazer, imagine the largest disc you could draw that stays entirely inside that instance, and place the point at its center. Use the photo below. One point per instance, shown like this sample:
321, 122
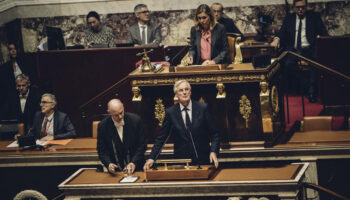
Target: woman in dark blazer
209, 43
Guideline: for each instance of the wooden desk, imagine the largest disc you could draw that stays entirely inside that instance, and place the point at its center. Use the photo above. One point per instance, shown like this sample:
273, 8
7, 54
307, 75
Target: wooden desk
282, 181
249, 50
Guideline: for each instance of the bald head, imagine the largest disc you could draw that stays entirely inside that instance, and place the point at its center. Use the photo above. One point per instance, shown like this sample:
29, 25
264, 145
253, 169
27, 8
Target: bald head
116, 109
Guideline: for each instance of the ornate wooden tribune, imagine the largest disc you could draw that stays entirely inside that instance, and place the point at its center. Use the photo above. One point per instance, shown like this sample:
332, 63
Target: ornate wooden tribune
282, 181
246, 103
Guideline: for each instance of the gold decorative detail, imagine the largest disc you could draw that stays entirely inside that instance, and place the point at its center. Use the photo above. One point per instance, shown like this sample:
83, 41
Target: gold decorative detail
238, 57
137, 94
274, 101
201, 100
184, 61
159, 111
266, 118
219, 78
221, 91
262, 77
146, 63
240, 77
245, 108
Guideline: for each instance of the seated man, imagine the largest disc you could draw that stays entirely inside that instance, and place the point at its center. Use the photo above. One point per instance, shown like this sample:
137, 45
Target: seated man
121, 142
98, 35
220, 17
49, 123
209, 45
192, 128
144, 33
298, 33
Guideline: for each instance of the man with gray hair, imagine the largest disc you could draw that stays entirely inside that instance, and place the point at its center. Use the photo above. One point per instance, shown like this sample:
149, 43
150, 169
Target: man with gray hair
50, 123
144, 33
192, 128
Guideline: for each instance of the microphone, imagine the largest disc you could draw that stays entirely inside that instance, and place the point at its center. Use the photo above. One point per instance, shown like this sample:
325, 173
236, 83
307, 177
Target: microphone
194, 146
155, 158
116, 156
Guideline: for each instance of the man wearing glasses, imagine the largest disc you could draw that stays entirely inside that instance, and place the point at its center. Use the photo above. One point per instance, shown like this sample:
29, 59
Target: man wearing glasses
218, 11
121, 142
298, 34
51, 124
144, 33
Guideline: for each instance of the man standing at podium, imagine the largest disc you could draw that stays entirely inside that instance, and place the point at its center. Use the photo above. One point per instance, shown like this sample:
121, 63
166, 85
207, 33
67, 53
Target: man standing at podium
298, 34
144, 33
192, 128
121, 142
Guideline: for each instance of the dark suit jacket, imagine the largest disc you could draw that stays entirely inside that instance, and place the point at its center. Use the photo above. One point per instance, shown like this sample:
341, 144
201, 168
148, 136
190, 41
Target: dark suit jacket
203, 131
31, 107
314, 27
219, 45
62, 126
230, 26
153, 35
133, 147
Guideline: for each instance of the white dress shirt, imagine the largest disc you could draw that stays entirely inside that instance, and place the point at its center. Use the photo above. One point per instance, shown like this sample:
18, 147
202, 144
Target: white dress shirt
140, 27
183, 112
23, 100
120, 128
304, 42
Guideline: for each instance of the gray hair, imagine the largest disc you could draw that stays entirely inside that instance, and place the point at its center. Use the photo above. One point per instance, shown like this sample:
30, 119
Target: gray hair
178, 83
23, 77
218, 4
51, 96
138, 7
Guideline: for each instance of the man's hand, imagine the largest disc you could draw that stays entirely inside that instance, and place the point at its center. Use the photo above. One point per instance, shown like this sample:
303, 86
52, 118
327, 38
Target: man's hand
275, 43
209, 62
214, 159
130, 168
148, 164
189, 60
112, 168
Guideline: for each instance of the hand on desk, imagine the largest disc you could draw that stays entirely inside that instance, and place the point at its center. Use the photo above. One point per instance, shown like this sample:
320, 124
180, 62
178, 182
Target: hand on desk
209, 62
129, 169
112, 168
214, 159
148, 164
275, 43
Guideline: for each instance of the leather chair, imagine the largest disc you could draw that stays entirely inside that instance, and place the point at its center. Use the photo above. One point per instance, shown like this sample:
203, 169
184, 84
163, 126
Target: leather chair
312, 123
94, 128
231, 42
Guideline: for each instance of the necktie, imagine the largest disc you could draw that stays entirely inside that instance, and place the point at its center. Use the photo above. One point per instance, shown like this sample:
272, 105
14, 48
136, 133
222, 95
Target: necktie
143, 36
299, 35
43, 131
188, 121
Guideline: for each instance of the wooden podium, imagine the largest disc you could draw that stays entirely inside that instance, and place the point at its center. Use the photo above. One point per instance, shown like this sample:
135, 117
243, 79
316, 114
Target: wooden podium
246, 103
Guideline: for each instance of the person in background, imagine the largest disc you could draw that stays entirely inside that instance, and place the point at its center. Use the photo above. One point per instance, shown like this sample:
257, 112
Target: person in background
209, 43
144, 33
97, 35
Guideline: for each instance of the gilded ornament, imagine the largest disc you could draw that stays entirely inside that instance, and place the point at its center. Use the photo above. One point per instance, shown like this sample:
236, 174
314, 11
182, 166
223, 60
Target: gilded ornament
274, 100
245, 109
221, 91
159, 111
137, 94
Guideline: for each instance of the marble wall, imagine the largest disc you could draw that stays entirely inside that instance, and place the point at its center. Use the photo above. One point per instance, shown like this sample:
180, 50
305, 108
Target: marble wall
175, 24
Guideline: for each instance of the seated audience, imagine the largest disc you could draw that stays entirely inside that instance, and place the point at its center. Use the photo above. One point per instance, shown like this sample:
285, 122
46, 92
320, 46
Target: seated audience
121, 142
98, 35
49, 123
209, 43
298, 34
144, 33
218, 11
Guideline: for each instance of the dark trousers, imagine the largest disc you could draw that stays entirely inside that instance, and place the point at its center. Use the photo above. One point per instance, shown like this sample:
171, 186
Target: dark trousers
297, 80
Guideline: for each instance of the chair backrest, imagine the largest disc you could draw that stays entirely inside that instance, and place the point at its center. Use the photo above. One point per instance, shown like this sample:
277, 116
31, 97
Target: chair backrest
231, 54
94, 128
312, 123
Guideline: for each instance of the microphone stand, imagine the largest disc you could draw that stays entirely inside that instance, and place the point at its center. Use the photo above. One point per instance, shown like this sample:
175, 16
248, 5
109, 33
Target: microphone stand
154, 164
194, 147
116, 156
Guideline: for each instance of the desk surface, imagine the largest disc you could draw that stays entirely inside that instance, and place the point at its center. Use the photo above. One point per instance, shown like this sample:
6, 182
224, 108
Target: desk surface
225, 182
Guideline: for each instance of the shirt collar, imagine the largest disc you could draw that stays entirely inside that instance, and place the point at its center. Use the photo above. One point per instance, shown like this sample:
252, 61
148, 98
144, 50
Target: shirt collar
140, 25
118, 124
24, 96
49, 118
189, 106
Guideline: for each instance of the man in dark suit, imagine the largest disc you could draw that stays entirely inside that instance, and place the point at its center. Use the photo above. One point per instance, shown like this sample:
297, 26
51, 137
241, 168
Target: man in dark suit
144, 33
192, 128
121, 142
49, 123
27, 101
298, 33
218, 11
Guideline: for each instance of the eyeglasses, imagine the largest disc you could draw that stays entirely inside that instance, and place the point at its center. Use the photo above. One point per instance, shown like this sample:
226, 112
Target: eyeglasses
145, 12
45, 102
300, 7
217, 11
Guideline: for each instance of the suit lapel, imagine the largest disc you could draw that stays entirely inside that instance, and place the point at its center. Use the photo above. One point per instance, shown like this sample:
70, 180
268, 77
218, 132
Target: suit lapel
195, 114
198, 41
137, 32
212, 42
149, 27
55, 123
178, 116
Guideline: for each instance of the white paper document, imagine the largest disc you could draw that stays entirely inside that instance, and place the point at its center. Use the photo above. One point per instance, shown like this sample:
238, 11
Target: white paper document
38, 142
129, 179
